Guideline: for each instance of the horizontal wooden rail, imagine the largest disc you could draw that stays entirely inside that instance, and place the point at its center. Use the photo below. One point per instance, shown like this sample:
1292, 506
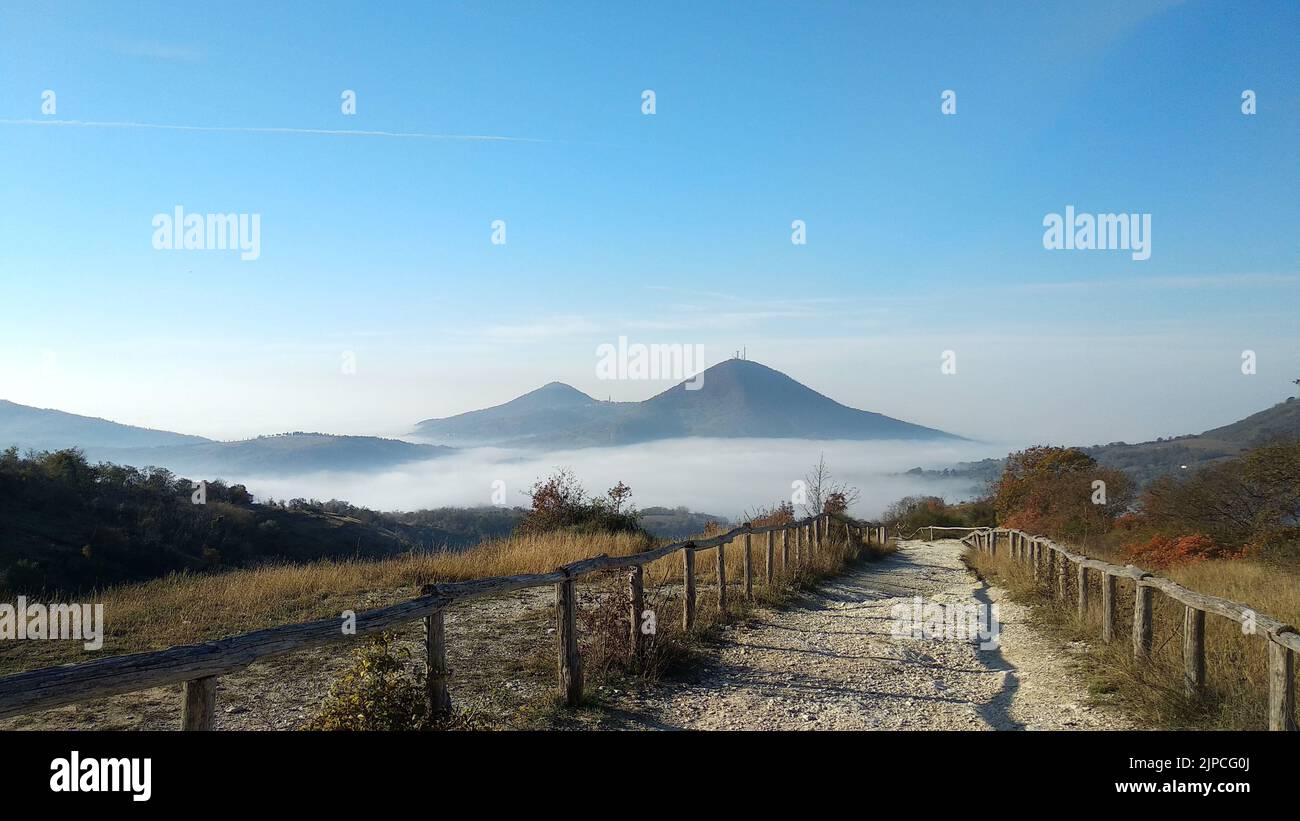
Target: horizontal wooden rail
1283, 640
198, 665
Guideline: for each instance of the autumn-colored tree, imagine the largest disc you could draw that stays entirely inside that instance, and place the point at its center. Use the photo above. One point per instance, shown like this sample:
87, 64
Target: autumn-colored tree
778, 514
559, 501
1061, 492
1252, 502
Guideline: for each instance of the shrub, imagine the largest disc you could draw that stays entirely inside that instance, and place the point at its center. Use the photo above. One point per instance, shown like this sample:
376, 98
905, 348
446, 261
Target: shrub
379, 692
1168, 551
559, 502
913, 512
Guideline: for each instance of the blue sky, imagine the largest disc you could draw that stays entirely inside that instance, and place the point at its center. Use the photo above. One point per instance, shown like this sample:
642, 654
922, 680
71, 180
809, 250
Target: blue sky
924, 230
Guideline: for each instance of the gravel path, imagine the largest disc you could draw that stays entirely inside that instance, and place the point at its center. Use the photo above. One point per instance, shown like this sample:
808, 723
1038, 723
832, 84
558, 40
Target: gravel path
829, 662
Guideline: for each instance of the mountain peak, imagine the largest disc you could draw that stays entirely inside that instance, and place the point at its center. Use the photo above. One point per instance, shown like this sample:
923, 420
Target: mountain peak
558, 389
733, 398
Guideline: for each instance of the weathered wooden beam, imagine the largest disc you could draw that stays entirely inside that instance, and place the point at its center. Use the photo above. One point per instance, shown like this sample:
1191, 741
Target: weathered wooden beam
566, 630
785, 550
199, 710
722, 579
1142, 628
1239, 613
688, 588
636, 595
437, 697
1193, 651
747, 564
1281, 687
1081, 582
1109, 607
770, 558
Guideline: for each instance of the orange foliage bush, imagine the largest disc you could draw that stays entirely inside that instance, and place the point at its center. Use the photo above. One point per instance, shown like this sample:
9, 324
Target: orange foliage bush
1167, 551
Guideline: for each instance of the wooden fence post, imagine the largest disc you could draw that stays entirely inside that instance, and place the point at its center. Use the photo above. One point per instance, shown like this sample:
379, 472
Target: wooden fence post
1281, 687
688, 584
1142, 621
747, 562
798, 546
437, 697
1051, 567
1108, 607
785, 550
566, 631
1035, 557
199, 711
636, 592
722, 579
1082, 583
771, 557
1193, 651
1062, 578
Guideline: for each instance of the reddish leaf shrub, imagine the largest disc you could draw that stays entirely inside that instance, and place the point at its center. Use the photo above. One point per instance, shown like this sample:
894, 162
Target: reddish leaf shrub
1168, 551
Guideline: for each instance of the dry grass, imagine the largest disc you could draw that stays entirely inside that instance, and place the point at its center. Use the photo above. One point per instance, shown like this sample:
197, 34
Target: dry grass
1236, 665
189, 608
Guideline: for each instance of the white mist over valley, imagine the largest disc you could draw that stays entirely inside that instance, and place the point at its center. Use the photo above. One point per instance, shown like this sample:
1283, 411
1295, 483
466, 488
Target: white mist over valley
725, 477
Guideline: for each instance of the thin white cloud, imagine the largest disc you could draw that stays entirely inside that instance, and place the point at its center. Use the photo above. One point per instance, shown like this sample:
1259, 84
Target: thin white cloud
155, 50
1226, 281
329, 132
546, 329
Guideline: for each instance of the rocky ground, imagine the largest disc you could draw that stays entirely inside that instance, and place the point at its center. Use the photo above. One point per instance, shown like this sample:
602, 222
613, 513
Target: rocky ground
827, 661
830, 662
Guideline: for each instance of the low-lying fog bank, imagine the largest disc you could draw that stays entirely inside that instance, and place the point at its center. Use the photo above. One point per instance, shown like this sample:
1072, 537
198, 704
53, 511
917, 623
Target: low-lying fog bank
720, 476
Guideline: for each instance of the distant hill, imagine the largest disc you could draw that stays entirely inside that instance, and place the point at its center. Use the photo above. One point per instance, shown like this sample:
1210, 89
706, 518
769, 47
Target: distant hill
281, 454
46, 429
677, 522
1147, 460
67, 524
101, 440
738, 398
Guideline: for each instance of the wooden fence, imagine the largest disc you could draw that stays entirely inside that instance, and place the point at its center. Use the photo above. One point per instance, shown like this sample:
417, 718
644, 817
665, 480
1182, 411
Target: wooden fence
1051, 564
198, 666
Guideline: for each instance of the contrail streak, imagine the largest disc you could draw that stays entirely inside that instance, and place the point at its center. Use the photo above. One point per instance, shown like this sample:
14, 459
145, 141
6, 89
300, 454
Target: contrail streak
329, 132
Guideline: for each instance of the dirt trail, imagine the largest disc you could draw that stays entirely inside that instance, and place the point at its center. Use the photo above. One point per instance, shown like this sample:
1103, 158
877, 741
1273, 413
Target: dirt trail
826, 662
829, 662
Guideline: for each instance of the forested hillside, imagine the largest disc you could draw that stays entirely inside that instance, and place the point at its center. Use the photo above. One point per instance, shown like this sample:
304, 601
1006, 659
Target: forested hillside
68, 525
